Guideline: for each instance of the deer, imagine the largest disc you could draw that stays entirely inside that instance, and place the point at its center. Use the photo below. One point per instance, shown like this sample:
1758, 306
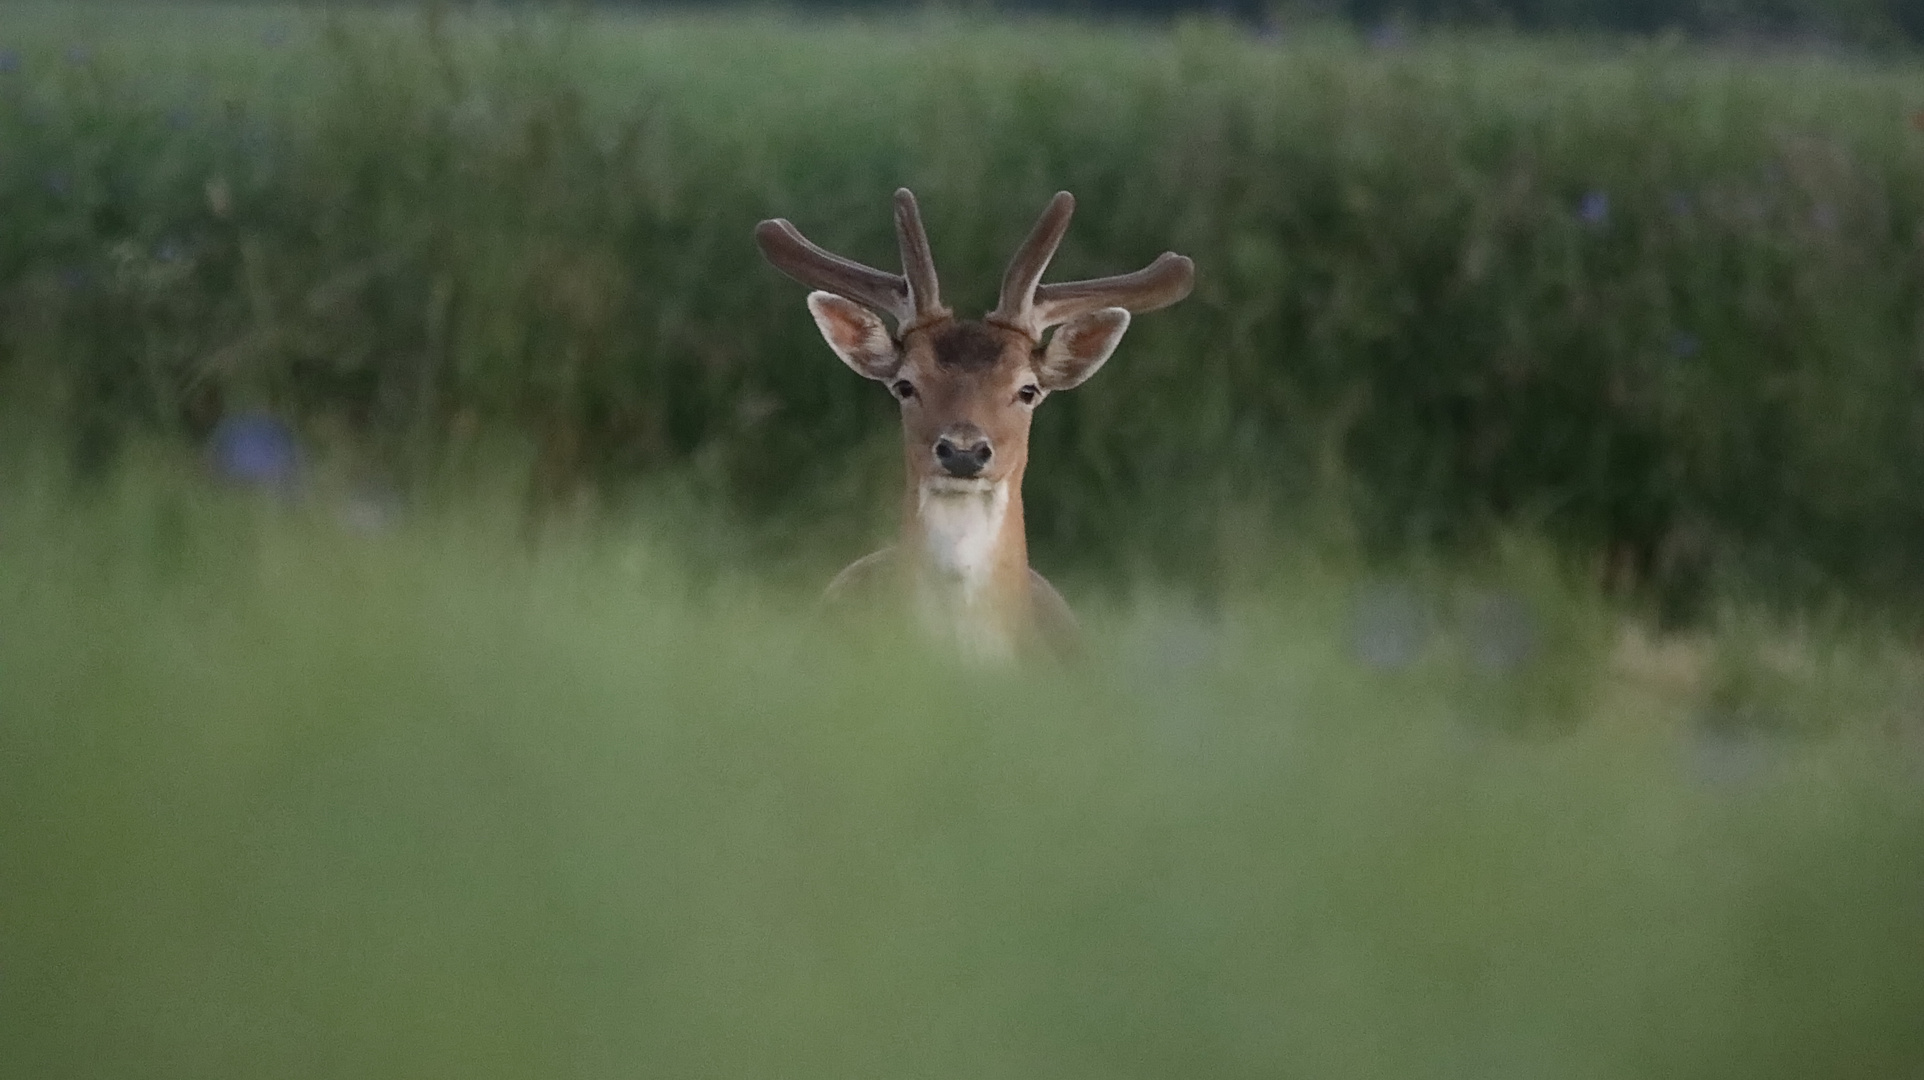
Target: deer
967, 390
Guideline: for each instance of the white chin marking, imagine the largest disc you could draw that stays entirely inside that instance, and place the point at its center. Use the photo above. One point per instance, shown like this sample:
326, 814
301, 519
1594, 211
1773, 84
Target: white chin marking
956, 485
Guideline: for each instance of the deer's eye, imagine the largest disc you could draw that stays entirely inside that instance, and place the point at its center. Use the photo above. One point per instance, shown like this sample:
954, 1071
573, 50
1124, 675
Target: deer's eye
1028, 394
903, 389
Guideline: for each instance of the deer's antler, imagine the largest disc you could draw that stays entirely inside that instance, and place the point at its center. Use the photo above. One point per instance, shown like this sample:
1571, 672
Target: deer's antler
925, 293
913, 298
1032, 307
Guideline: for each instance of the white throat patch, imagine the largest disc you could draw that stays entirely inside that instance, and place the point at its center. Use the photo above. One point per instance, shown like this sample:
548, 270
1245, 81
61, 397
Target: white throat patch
961, 522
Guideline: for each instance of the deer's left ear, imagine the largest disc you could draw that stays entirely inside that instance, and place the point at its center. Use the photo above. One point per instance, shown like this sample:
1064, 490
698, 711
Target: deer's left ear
1080, 346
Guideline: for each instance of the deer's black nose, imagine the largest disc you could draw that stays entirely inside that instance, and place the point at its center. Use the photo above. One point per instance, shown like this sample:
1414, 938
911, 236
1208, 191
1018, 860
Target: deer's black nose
963, 461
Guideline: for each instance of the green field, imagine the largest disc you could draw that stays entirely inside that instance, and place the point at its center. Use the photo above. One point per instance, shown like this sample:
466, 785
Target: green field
507, 741
286, 799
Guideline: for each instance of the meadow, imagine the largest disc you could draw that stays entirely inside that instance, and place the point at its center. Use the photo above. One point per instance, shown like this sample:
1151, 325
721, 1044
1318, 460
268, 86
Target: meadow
286, 796
1655, 301
1498, 576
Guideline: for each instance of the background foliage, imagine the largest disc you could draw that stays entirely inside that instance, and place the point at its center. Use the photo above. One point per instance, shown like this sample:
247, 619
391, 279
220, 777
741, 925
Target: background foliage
1657, 301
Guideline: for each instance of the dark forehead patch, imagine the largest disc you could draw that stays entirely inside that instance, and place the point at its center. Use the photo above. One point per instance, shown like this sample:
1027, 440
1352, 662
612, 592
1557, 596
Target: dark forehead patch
968, 346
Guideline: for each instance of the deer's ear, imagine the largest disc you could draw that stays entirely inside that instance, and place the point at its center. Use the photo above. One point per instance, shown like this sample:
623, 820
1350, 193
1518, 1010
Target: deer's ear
856, 334
1080, 346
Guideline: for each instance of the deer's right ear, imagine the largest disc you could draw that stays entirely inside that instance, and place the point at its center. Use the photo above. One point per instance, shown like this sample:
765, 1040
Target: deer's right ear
856, 334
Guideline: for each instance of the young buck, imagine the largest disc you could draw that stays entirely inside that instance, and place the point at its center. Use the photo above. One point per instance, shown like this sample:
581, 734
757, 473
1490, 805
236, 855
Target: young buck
967, 390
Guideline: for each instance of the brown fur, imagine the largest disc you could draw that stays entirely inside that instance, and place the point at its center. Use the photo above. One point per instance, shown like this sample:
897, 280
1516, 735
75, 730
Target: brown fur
967, 346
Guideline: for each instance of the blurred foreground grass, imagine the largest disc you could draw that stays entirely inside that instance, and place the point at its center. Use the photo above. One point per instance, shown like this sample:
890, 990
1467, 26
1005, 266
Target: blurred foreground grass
289, 794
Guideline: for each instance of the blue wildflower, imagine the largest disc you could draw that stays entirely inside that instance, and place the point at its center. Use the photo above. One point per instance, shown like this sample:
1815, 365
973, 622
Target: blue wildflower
180, 119
1595, 208
9, 61
1684, 344
274, 36
59, 184
1680, 204
168, 251
251, 139
1386, 35
257, 449
74, 278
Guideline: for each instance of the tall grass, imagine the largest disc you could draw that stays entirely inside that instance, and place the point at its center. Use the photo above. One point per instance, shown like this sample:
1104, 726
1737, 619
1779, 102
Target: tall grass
345, 778
291, 799
1657, 302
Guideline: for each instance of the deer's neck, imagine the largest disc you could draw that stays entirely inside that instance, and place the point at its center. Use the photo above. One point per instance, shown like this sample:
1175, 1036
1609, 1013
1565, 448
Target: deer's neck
969, 558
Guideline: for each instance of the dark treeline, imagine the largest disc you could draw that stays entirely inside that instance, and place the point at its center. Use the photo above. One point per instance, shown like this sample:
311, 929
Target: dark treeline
1877, 23
1854, 22
1840, 20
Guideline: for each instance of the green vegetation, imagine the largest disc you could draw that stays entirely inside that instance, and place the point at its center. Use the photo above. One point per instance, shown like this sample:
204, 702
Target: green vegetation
288, 800
409, 768
1658, 303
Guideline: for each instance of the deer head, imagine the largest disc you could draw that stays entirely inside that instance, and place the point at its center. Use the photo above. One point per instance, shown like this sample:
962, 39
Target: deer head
967, 391
967, 388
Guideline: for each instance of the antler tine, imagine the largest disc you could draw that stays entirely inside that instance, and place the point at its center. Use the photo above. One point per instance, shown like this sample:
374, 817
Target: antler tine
1019, 282
1157, 285
790, 252
918, 265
